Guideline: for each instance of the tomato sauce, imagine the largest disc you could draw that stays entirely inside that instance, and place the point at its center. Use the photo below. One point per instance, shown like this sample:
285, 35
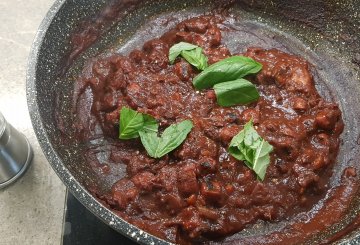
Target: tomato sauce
198, 192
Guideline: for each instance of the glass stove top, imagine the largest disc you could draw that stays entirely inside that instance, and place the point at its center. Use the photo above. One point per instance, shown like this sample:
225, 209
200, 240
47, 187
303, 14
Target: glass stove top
81, 227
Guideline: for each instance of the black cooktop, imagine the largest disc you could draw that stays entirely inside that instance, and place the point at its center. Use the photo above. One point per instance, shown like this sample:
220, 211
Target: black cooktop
81, 227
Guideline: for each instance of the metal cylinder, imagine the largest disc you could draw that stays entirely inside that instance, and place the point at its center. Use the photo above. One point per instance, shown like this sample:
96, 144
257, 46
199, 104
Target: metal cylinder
15, 153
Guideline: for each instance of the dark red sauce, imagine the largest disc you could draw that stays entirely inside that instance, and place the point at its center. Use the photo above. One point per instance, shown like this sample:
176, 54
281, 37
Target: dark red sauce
198, 192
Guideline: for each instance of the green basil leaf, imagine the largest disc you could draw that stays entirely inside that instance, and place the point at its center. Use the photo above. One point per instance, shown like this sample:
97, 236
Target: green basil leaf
249, 147
262, 158
236, 153
134, 124
131, 122
196, 58
236, 147
225, 70
150, 141
171, 138
252, 138
236, 92
150, 124
176, 50
191, 53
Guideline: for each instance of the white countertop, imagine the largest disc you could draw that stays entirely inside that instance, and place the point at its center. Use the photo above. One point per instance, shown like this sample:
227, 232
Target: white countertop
31, 210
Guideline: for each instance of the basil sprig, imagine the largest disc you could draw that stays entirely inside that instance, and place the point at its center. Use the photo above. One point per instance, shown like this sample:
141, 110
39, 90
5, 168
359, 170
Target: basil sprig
228, 69
236, 92
171, 138
225, 75
134, 124
190, 52
131, 122
249, 147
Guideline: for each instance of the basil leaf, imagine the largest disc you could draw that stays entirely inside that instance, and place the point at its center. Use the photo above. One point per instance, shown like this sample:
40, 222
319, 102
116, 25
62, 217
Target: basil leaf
150, 123
225, 70
190, 52
262, 158
171, 138
132, 121
176, 50
249, 147
150, 141
196, 58
236, 92
235, 144
134, 124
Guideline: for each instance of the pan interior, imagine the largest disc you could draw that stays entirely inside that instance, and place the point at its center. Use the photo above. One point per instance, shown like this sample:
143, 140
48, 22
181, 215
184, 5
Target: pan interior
315, 31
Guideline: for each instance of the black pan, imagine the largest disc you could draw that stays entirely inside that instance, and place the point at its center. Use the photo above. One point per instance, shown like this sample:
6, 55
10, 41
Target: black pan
325, 32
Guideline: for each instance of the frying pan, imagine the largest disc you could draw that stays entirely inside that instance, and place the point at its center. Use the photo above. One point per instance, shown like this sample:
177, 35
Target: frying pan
325, 32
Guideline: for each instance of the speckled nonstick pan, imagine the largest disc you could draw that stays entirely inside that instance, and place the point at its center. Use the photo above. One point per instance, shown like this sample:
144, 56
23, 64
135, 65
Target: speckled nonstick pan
325, 32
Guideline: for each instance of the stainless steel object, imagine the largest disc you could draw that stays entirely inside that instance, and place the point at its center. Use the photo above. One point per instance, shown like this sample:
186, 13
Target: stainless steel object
15, 153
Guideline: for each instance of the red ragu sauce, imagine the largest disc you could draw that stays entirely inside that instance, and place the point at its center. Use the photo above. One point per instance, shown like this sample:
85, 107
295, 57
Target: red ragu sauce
199, 192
